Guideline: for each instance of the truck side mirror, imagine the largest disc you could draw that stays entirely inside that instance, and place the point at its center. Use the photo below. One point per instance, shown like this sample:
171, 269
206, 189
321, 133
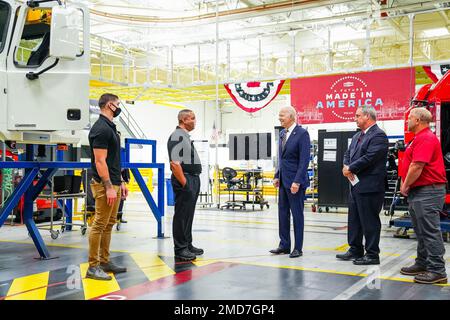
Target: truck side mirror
64, 33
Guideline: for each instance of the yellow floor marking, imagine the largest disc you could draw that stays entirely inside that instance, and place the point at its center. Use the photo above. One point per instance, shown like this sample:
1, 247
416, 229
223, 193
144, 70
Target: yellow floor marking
411, 280
297, 268
153, 267
33, 287
314, 248
344, 247
389, 254
61, 245
200, 262
94, 288
248, 222
47, 244
326, 271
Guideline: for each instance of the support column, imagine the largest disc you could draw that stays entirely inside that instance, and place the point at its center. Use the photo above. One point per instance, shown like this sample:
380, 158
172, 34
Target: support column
199, 67
329, 51
28, 208
292, 34
3, 177
218, 127
259, 57
101, 59
171, 66
411, 39
67, 207
367, 63
228, 60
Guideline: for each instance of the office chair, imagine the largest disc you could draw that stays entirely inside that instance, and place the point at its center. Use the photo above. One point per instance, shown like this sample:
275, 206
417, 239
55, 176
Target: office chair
233, 183
229, 174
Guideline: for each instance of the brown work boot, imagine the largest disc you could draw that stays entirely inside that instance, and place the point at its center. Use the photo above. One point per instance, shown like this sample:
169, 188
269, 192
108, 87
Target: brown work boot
430, 278
413, 270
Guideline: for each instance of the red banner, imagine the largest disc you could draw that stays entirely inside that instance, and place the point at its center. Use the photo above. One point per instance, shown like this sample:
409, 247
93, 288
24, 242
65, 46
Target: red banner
335, 98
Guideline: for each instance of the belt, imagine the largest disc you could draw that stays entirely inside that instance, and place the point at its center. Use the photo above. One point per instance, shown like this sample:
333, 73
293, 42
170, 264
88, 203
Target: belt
97, 181
192, 174
435, 185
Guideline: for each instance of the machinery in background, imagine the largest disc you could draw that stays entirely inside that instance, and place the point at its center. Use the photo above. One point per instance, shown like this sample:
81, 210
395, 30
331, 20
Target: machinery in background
332, 186
436, 98
248, 183
393, 200
44, 71
311, 191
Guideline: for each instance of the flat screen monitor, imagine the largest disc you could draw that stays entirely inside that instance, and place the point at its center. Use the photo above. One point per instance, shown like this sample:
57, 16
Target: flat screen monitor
250, 146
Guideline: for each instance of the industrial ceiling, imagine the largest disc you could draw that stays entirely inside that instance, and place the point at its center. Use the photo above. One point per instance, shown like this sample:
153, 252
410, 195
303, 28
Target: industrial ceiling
166, 50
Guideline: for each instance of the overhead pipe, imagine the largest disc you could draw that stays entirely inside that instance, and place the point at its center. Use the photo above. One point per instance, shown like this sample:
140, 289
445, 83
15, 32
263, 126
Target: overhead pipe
266, 8
362, 15
254, 11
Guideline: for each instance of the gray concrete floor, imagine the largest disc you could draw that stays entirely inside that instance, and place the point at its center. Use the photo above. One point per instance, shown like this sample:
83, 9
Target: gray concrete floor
240, 239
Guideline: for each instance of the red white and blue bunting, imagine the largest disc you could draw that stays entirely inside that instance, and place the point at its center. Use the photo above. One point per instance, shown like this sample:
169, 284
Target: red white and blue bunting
253, 96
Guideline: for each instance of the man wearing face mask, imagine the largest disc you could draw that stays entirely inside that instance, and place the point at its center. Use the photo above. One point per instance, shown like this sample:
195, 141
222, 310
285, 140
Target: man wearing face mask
107, 187
186, 168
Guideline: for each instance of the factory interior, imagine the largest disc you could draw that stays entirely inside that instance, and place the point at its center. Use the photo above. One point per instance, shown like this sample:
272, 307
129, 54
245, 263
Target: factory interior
236, 69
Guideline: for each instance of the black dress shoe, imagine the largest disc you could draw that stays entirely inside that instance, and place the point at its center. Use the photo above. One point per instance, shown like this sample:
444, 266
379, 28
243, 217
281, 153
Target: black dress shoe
111, 267
348, 256
413, 270
123, 221
280, 251
295, 254
185, 255
430, 278
366, 260
196, 251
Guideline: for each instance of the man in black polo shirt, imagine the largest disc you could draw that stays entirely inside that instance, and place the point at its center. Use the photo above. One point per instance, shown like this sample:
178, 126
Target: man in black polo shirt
186, 168
107, 187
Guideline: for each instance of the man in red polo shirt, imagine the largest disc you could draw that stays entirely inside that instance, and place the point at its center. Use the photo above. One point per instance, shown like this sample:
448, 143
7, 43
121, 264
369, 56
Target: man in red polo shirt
423, 182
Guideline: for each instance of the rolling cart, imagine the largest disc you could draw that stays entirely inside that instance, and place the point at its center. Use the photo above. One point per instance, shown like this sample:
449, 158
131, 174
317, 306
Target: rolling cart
61, 198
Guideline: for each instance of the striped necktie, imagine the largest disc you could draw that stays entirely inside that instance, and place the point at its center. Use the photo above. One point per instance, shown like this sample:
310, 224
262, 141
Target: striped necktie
283, 139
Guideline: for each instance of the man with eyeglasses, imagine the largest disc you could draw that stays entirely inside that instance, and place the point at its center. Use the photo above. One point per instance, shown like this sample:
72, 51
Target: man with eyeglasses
107, 187
365, 168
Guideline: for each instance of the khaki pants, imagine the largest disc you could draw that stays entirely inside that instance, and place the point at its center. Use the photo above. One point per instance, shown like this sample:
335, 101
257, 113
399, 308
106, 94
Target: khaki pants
104, 220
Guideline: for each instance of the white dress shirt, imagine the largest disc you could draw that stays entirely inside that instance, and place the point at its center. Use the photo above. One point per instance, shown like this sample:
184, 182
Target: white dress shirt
365, 131
291, 128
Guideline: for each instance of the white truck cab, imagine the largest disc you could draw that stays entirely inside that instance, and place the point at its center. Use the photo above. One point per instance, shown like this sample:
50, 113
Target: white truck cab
44, 71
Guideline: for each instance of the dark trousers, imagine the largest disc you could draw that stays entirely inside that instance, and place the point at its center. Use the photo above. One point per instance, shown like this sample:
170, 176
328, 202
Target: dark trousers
287, 203
364, 221
185, 201
425, 204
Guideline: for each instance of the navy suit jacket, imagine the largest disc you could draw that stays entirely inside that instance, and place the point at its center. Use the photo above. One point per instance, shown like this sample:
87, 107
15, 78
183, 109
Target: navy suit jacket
293, 161
367, 159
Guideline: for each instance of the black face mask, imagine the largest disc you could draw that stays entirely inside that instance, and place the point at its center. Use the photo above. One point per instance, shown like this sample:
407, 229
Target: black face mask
116, 112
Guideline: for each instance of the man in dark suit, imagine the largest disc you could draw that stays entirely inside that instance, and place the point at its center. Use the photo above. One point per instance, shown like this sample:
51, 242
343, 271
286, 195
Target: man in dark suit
291, 177
365, 167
